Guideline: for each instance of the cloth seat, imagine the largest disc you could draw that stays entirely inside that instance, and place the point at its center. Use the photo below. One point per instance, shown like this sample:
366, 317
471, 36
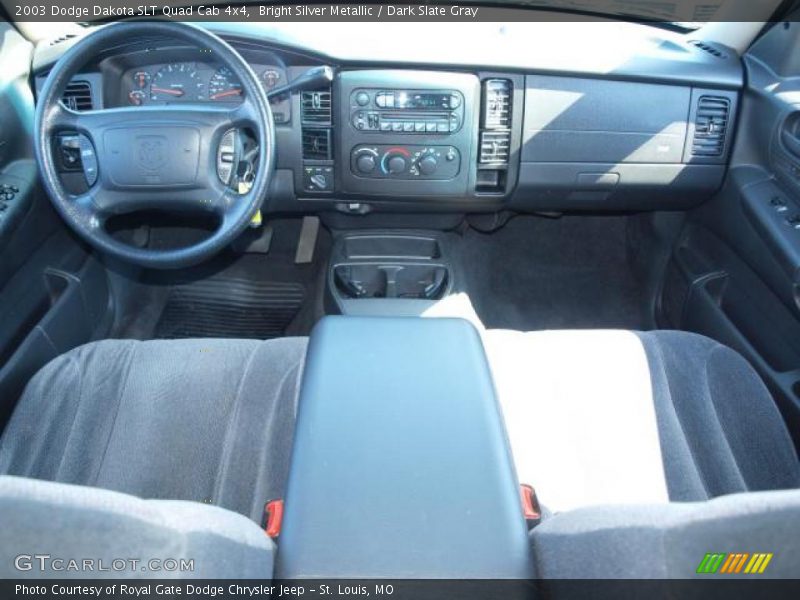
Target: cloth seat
57, 530
617, 417
205, 420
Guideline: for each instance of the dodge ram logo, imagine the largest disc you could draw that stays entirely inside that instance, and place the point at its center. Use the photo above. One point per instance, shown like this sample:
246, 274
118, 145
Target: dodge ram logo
150, 152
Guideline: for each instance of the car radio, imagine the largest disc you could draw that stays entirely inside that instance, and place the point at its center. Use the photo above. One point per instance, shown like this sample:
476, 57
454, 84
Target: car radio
407, 111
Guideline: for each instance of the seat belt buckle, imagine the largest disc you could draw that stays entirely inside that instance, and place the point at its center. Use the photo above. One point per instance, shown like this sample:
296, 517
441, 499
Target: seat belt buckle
530, 505
273, 517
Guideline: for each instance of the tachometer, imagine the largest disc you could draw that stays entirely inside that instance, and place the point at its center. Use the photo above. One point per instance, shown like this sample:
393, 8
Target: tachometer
177, 82
224, 85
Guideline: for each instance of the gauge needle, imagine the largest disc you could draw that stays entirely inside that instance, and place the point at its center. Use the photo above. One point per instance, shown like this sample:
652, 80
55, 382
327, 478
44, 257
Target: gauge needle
226, 93
167, 91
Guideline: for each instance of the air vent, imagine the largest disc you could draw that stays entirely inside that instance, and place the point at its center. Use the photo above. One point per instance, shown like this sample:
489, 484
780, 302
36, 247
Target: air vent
78, 96
316, 107
63, 38
496, 104
708, 48
711, 124
495, 147
317, 144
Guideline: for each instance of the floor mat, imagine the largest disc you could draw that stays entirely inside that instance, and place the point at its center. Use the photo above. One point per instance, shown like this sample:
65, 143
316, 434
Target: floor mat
542, 273
230, 308
253, 295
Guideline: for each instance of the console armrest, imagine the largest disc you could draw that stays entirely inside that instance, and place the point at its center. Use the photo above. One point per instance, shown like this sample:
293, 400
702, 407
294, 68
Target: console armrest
401, 466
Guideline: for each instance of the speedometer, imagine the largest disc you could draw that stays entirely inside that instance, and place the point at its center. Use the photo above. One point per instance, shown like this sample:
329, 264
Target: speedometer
176, 82
224, 85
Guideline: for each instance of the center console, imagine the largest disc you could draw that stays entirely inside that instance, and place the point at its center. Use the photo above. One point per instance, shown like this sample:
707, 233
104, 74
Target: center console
400, 466
407, 133
386, 272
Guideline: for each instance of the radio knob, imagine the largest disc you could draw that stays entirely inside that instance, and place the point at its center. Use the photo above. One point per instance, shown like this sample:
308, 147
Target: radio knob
427, 164
365, 163
396, 164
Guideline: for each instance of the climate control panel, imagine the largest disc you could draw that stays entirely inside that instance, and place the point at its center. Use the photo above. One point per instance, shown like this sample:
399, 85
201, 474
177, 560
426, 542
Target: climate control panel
385, 161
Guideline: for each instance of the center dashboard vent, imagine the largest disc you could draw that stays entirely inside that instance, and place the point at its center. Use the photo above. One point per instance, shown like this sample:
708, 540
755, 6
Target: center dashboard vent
316, 107
495, 147
496, 125
496, 104
317, 144
711, 125
78, 96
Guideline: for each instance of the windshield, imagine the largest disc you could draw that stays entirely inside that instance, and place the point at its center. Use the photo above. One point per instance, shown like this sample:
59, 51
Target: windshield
687, 14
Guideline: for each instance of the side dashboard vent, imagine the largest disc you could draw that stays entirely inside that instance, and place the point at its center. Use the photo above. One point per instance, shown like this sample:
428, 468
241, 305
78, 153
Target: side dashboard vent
317, 144
78, 95
316, 107
496, 104
495, 147
711, 126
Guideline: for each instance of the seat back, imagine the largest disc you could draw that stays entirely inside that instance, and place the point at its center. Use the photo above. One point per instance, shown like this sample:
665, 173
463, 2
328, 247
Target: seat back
55, 530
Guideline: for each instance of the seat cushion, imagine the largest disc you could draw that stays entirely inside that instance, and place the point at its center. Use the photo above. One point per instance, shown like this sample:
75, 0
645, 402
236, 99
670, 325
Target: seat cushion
205, 420
168, 538
736, 535
616, 417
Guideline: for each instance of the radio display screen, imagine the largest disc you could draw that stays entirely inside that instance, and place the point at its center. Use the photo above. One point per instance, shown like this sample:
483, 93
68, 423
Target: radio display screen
414, 100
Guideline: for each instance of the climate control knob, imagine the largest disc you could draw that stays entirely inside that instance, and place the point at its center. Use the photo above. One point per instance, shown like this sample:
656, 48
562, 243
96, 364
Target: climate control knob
427, 164
396, 164
365, 163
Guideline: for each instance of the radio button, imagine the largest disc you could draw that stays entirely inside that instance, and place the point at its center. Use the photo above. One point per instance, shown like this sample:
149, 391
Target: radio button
386, 126
455, 101
430, 126
362, 98
397, 126
419, 126
442, 127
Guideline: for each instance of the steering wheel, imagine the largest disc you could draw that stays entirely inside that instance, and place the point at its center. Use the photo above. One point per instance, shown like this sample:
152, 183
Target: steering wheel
169, 157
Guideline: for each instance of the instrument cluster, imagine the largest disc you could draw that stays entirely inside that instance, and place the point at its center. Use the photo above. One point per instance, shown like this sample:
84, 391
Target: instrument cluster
197, 82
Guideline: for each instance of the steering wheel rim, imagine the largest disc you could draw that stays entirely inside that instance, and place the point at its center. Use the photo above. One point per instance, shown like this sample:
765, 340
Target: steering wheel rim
177, 149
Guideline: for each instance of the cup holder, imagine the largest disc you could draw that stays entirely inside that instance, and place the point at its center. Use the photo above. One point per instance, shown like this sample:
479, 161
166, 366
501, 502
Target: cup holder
411, 281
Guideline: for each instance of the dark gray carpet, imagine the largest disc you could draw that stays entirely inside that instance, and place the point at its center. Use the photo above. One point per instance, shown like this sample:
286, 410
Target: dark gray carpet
254, 295
547, 273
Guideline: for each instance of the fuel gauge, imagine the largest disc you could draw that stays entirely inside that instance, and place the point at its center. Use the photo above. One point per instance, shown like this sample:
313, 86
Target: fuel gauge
136, 97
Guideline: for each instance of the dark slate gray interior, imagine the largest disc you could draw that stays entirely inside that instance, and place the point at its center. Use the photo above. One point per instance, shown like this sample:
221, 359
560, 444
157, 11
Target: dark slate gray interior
333, 354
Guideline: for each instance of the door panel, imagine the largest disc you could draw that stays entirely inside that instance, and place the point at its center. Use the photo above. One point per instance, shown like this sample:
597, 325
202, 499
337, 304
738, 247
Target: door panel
52, 295
735, 269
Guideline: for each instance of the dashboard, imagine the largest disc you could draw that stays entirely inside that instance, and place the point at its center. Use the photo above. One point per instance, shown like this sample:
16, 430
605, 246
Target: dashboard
453, 137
